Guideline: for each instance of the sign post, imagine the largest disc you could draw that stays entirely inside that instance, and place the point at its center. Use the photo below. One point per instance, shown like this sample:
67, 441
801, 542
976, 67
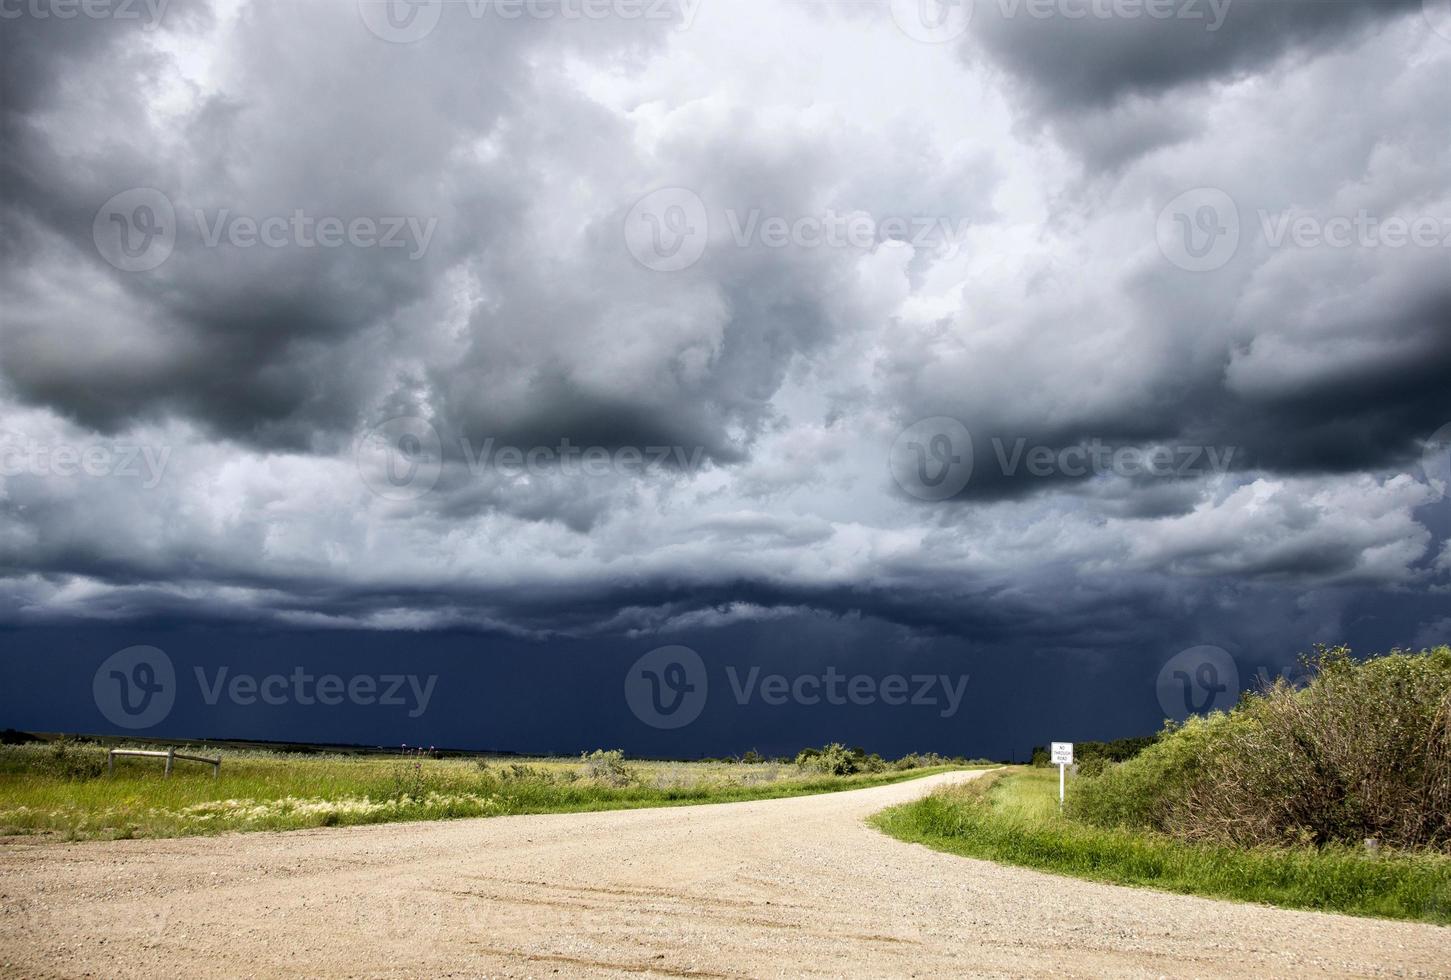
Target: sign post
1062, 757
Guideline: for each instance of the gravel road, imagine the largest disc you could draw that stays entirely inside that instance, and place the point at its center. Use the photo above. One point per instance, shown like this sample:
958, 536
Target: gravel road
777, 888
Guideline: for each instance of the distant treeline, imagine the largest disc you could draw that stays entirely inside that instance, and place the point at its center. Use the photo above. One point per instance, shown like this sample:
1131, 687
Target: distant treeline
1091, 757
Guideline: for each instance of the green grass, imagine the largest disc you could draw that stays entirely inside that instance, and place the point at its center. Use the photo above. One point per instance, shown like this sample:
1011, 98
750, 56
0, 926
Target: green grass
1012, 816
69, 795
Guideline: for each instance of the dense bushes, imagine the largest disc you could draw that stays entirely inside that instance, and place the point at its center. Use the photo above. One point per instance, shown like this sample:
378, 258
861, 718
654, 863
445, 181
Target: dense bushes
64, 758
836, 759
1364, 751
1012, 816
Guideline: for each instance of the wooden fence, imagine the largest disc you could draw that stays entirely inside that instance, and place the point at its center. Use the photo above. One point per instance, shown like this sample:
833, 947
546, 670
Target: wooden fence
170, 755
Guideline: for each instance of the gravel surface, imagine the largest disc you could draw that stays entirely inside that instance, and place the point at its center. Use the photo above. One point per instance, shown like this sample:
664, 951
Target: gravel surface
775, 888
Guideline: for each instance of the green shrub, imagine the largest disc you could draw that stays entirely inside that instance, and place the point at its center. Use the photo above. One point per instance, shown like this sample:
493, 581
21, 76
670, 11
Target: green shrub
1012, 816
833, 760
918, 760
71, 761
1363, 751
1097, 754
608, 767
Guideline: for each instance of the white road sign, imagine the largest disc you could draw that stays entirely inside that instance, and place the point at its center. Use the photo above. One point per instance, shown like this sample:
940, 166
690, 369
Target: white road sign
1062, 753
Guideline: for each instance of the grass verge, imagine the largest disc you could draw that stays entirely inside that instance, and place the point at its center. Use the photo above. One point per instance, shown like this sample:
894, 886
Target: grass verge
70, 796
1012, 816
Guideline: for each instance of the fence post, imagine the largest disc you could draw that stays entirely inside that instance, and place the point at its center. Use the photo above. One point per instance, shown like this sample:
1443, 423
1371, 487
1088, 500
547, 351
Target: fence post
170, 758
111, 762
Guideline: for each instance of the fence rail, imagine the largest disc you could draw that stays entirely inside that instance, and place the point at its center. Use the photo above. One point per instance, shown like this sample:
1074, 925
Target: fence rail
170, 755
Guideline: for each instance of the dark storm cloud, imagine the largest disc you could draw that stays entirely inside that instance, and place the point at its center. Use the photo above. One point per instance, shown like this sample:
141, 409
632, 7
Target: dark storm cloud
1357, 416
1073, 63
526, 322
279, 347
40, 55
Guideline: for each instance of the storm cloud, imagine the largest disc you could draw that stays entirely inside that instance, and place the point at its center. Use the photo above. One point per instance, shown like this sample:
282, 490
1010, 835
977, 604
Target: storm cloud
1180, 420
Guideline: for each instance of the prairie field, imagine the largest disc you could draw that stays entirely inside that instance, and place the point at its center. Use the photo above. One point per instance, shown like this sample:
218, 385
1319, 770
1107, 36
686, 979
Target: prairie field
63, 788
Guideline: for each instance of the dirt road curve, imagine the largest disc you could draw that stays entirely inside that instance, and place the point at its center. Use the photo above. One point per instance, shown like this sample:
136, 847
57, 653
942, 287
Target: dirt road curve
779, 888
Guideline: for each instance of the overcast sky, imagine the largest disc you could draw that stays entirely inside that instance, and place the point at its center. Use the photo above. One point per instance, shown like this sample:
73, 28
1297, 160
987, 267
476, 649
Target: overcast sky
1053, 334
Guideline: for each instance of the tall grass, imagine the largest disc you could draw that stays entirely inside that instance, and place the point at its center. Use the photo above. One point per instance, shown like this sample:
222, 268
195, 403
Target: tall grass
1335, 797
62, 789
1012, 817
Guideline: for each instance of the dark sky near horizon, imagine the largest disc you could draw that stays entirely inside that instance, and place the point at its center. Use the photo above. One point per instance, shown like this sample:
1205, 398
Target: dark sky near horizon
378, 339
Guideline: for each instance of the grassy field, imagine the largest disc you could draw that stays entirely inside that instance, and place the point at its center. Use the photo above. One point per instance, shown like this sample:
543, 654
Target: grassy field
1012, 816
64, 791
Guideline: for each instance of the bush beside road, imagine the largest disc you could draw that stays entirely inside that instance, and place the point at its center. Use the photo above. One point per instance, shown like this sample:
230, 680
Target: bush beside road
1334, 797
